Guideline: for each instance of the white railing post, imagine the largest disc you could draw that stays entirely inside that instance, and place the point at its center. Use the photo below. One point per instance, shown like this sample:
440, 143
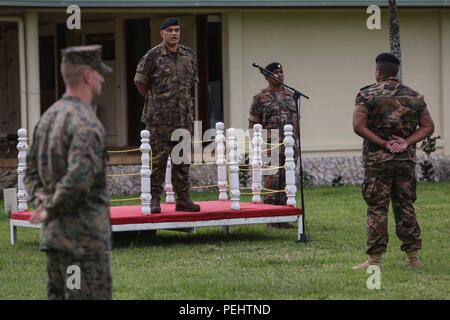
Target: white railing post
168, 188
222, 180
289, 165
234, 169
22, 146
257, 141
145, 172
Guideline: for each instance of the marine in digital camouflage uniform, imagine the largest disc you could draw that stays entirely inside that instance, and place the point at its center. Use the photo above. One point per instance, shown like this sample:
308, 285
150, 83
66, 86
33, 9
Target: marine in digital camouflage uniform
392, 118
273, 108
165, 76
66, 180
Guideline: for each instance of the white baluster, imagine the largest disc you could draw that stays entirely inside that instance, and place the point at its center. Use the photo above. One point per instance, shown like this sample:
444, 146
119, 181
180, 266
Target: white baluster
222, 183
170, 198
289, 165
234, 169
257, 141
145, 172
22, 146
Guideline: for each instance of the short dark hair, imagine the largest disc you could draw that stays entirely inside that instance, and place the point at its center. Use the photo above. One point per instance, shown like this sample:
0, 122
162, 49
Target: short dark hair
387, 69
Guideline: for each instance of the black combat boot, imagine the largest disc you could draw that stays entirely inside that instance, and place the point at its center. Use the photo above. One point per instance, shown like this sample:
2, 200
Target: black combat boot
155, 206
184, 203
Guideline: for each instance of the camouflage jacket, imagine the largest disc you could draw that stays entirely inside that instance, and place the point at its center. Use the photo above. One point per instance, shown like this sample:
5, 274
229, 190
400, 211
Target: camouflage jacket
273, 111
67, 162
169, 82
392, 109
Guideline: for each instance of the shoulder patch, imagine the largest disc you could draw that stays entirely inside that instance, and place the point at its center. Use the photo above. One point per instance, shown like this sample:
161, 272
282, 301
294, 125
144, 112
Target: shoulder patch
363, 88
155, 49
187, 49
259, 93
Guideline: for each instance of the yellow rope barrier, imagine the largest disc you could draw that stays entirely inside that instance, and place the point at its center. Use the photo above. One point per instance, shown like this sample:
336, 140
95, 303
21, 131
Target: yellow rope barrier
123, 151
203, 141
273, 191
124, 174
208, 186
268, 168
123, 200
272, 168
273, 144
199, 164
265, 150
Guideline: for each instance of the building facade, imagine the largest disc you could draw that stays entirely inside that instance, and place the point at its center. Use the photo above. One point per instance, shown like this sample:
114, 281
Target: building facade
325, 47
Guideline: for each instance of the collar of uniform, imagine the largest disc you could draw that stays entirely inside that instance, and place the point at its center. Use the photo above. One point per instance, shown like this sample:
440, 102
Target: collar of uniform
389, 78
73, 98
165, 51
270, 92
76, 99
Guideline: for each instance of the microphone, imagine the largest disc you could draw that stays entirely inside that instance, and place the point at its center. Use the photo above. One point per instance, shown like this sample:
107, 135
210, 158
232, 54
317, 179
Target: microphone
263, 71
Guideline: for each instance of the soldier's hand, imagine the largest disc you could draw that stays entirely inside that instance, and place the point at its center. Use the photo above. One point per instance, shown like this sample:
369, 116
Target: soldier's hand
397, 145
39, 215
40, 197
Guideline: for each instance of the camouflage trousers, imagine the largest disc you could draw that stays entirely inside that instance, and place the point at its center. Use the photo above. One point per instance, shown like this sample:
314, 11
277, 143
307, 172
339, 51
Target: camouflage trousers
161, 144
396, 181
95, 280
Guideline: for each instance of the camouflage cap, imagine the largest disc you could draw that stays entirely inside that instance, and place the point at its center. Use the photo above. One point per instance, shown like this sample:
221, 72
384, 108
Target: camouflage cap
387, 57
89, 55
274, 66
169, 22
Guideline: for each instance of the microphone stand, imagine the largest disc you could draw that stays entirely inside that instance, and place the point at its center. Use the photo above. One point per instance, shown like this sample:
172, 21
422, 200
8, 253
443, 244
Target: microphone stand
297, 95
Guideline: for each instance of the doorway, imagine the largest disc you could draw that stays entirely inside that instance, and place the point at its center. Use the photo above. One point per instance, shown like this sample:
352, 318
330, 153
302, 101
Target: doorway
137, 44
209, 51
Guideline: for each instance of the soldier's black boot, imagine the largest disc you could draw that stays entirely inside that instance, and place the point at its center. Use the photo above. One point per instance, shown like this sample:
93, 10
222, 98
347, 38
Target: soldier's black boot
184, 203
155, 206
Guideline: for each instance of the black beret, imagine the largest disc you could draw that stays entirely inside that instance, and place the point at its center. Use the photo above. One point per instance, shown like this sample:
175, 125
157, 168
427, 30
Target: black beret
169, 22
387, 57
273, 66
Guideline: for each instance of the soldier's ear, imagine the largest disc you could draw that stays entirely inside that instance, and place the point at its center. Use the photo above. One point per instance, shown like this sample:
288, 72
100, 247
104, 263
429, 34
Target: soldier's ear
161, 33
377, 73
87, 75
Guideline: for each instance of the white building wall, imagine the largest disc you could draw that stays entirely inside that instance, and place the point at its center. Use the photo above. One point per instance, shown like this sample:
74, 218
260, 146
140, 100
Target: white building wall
329, 55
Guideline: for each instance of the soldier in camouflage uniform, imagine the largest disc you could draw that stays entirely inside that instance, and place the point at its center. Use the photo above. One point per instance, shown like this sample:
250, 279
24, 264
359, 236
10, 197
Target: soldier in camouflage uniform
391, 118
165, 76
273, 108
66, 180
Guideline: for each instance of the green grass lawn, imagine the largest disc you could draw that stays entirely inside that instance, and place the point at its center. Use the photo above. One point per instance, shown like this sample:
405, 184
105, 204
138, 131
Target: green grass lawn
254, 262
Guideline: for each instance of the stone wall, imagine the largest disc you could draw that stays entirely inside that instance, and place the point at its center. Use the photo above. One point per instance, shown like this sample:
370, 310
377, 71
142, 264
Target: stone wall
8, 178
349, 170
324, 171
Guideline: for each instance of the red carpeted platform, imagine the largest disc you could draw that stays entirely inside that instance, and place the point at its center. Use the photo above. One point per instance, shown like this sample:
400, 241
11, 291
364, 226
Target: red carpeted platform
210, 210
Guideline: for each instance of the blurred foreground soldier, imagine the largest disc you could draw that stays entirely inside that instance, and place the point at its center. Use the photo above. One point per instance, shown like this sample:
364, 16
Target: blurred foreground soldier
66, 179
273, 108
165, 76
391, 118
